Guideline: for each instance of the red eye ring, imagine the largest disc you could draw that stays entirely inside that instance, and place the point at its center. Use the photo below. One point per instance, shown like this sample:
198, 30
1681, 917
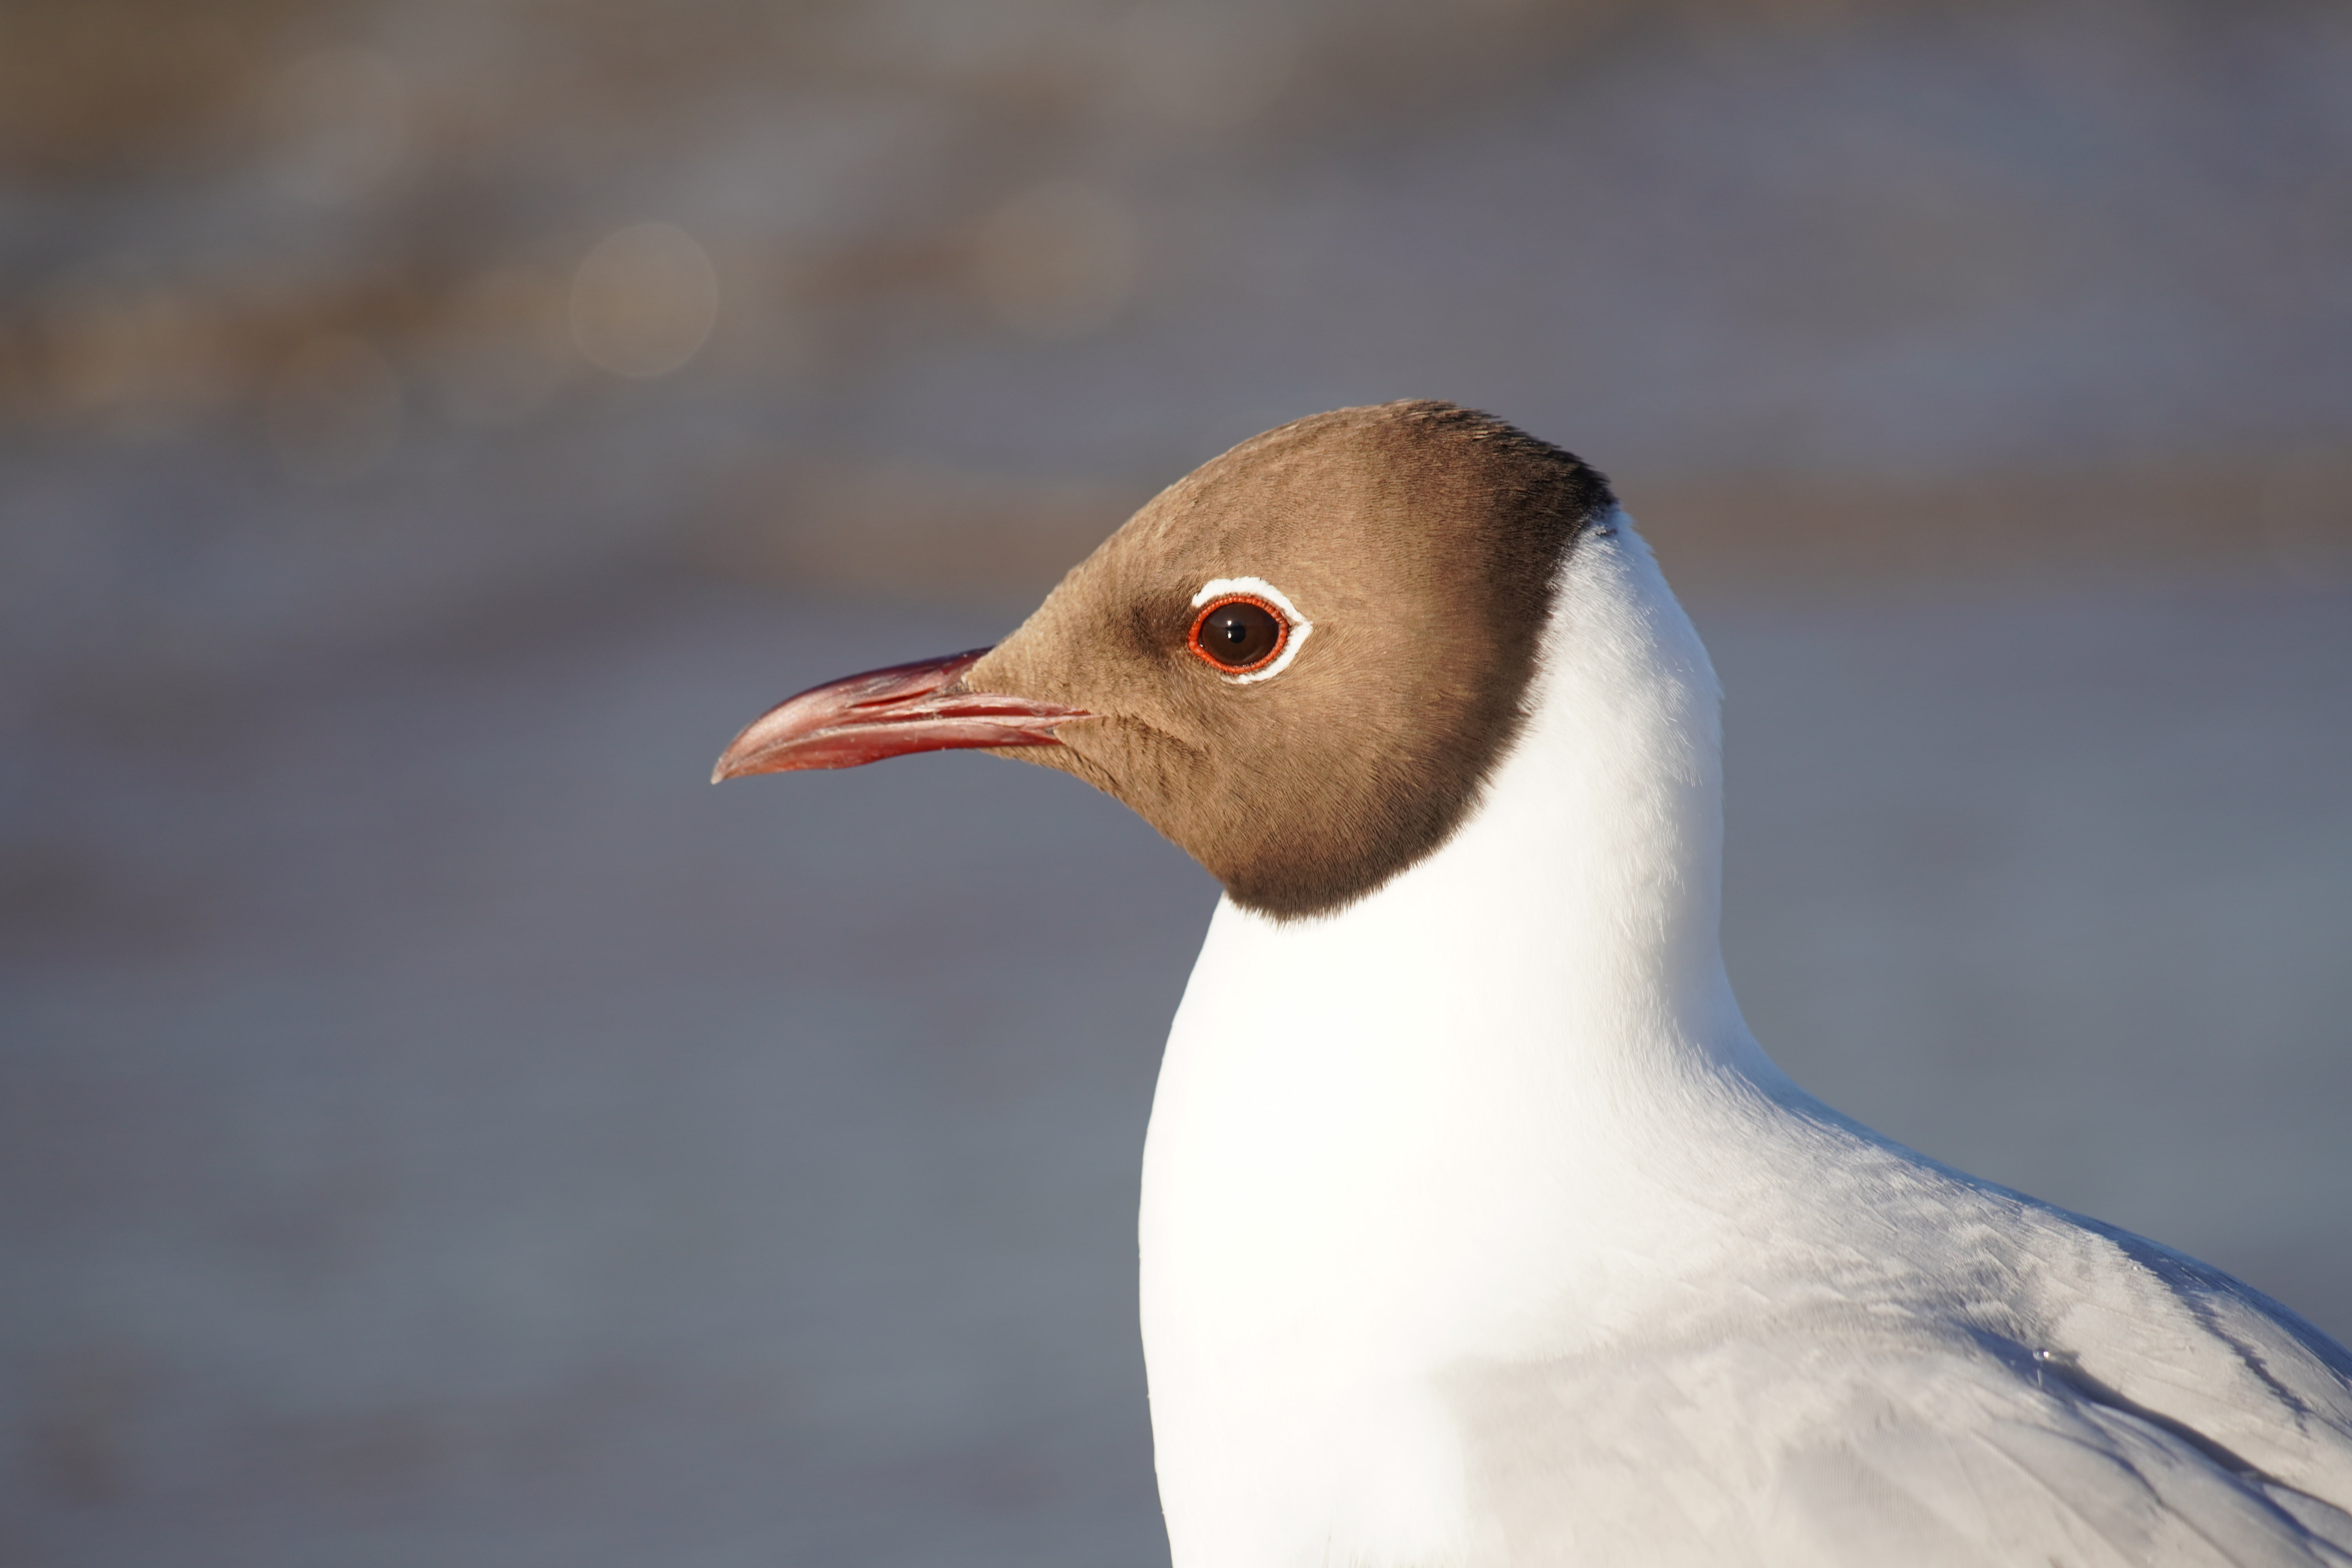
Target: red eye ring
1226, 601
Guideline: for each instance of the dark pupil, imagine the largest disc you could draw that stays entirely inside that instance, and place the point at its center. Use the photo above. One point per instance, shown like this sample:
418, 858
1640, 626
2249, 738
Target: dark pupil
1239, 635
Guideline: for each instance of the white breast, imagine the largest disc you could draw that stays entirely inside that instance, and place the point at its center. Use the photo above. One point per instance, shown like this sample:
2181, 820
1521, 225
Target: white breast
1477, 1229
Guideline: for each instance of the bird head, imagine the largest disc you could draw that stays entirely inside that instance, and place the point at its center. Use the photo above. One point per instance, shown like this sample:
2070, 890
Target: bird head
1300, 662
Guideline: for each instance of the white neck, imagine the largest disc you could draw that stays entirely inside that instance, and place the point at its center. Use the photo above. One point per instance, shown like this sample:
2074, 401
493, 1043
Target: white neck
1456, 1119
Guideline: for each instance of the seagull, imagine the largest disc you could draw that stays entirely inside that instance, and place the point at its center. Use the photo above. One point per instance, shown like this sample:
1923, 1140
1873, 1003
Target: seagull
1477, 1227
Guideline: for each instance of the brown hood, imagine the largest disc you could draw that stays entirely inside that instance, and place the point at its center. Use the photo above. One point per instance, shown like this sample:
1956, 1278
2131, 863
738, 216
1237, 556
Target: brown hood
1420, 541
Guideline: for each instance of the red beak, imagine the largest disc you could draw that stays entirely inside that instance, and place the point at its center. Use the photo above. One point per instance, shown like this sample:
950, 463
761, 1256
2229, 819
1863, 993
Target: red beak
887, 713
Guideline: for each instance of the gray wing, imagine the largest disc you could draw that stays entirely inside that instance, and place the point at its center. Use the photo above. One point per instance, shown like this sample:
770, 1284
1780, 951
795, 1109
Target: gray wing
2182, 1343
2018, 1455
2159, 1414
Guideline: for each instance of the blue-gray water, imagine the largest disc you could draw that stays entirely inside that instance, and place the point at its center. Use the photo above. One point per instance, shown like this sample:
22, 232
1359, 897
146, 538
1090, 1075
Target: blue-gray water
436, 1127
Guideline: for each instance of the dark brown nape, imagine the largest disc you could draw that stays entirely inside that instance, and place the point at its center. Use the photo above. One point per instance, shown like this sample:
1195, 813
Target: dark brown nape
1507, 508
1422, 539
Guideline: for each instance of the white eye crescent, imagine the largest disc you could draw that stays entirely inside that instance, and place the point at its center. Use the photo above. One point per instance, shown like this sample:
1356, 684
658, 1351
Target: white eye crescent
1294, 631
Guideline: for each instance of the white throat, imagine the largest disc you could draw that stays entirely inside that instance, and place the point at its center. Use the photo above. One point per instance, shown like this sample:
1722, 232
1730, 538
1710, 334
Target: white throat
1454, 1120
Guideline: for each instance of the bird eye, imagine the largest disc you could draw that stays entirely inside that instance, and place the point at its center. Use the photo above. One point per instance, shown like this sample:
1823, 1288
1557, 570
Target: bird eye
1240, 632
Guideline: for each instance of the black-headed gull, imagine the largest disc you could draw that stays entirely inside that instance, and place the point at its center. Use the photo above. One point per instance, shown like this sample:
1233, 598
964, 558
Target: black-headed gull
1477, 1227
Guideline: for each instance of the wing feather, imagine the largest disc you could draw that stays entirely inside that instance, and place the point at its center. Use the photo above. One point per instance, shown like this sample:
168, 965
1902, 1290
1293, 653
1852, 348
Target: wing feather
1841, 1438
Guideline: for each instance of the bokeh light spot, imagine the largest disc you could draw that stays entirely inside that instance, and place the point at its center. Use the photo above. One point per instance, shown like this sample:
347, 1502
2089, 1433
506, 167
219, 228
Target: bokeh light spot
644, 300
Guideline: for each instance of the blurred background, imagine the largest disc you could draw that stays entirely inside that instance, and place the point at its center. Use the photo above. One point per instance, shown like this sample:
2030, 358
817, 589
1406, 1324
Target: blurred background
436, 1127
